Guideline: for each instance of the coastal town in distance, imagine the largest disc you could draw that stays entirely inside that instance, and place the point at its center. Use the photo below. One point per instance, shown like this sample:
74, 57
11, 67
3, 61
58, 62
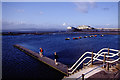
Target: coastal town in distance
82, 28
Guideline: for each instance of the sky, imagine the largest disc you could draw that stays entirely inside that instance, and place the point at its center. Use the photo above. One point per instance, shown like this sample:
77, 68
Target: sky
58, 15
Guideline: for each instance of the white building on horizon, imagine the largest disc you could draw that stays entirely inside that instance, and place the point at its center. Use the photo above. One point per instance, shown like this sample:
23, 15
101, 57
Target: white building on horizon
69, 28
84, 27
81, 28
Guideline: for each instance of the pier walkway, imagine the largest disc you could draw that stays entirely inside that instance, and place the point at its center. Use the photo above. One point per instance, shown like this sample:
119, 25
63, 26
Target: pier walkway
60, 67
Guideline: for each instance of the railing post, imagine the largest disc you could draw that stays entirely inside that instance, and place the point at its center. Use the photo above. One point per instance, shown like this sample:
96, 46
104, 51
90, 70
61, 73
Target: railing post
108, 54
92, 58
108, 66
83, 65
119, 53
108, 62
82, 76
104, 61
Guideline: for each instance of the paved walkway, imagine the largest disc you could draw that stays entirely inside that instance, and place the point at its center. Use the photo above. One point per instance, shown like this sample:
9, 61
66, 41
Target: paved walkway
88, 71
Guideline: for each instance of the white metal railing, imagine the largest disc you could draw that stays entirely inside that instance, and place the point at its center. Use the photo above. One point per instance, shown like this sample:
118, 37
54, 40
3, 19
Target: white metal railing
84, 55
79, 60
79, 64
96, 56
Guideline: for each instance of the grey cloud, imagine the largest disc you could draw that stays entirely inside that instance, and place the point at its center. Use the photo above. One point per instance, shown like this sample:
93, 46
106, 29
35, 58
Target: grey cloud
82, 7
85, 6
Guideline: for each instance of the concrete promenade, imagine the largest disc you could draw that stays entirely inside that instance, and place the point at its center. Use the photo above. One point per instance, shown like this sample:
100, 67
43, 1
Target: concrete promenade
60, 67
88, 71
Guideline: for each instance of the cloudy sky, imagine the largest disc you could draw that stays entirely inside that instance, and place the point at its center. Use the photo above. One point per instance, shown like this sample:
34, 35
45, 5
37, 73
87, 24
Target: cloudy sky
58, 15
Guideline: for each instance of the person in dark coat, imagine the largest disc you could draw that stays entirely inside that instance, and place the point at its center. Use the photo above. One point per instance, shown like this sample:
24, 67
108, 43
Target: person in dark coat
56, 57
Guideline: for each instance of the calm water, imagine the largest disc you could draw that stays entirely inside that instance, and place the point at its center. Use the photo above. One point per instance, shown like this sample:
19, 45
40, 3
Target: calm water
17, 63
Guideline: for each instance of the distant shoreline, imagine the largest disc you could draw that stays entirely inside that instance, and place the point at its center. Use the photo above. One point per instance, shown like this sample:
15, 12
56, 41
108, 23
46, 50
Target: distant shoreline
63, 32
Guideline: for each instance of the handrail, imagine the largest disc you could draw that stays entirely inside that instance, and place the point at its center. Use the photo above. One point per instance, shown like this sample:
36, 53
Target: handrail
94, 54
114, 50
107, 60
106, 55
89, 53
79, 59
95, 58
102, 56
78, 65
105, 52
97, 53
83, 55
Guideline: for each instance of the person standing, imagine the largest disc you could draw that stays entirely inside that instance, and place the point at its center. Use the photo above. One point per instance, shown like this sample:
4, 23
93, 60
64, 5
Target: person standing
41, 52
56, 57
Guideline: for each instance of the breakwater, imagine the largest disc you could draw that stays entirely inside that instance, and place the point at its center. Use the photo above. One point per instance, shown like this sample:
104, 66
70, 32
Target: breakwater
60, 67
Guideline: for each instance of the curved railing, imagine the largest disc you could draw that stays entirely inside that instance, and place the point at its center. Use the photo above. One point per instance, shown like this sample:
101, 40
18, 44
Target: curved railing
96, 56
79, 60
84, 55
79, 64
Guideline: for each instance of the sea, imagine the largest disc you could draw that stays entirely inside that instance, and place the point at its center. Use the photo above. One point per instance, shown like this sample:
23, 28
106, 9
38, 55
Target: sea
18, 65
